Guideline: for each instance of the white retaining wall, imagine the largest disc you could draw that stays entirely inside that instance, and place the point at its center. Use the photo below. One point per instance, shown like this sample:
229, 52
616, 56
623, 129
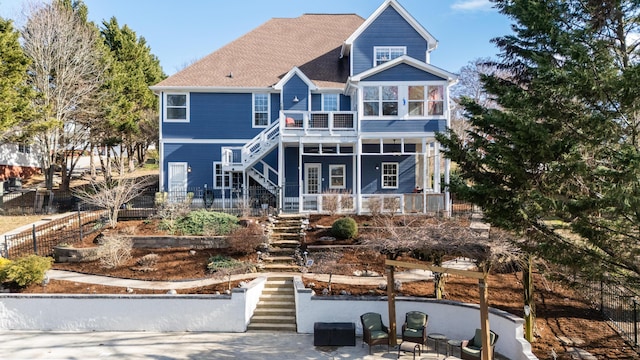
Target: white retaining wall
455, 320
224, 313
220, 313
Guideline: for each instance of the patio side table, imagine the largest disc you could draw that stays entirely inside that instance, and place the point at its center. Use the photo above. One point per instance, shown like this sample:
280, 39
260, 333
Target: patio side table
437, 338
452, 343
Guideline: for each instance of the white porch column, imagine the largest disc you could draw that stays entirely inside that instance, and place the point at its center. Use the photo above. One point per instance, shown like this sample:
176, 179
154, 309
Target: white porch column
425, 174
436, 167
447, 194
358, 177
300, 181
281, 177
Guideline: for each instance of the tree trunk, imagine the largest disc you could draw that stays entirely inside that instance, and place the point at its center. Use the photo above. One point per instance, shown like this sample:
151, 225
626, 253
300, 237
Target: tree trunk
92, 166
529, 302
391, 295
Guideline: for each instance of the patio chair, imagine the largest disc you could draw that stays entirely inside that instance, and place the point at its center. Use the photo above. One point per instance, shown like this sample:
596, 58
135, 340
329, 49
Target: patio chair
414, 328
374, 332
472, 349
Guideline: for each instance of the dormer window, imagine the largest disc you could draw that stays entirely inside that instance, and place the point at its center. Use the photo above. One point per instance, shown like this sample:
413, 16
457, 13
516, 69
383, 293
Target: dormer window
382, 54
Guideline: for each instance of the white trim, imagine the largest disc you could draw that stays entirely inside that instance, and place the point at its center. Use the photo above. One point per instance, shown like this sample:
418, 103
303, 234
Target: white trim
295, 71
390, 48
203, 141
432, 43
344, 176
187, 107
253, 111
405, 59
382, 174
208, 89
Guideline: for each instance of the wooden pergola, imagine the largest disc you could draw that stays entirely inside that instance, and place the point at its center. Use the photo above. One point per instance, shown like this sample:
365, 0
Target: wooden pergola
482, 285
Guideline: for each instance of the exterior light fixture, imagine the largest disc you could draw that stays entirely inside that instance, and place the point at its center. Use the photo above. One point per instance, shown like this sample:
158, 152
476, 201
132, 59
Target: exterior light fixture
295, 99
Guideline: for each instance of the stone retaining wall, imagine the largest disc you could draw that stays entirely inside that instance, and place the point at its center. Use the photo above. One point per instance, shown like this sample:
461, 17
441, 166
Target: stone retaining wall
191, 242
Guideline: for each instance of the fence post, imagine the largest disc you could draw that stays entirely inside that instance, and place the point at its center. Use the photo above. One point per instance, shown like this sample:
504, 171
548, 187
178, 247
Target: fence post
35, 242
80, 222
635, 323
6, 247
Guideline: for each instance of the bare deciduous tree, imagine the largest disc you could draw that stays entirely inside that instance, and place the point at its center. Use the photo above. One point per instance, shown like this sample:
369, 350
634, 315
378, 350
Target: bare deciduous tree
438, 237
112, 195
66, 71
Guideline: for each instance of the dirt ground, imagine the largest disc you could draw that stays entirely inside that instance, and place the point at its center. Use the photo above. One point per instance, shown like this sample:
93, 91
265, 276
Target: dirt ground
560, 312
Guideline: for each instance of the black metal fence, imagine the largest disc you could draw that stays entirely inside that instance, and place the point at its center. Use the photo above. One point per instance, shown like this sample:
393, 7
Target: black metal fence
618, 305
41, 239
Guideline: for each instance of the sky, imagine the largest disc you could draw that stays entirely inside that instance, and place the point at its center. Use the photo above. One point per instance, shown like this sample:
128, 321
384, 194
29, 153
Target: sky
181, 32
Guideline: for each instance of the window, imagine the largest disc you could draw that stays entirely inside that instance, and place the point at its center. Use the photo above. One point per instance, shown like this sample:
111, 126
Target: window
384, 54
260, 110
218, 176
330, 102
24, 148
435, 101
176, 108
389, 175
430, 96
337, 177
377, 105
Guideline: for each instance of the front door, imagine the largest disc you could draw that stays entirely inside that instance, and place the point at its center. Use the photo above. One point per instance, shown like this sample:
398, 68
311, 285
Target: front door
312, 178
177, 181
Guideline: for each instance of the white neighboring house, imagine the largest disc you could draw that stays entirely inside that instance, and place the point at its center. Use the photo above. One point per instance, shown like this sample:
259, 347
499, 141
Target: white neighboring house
18, 160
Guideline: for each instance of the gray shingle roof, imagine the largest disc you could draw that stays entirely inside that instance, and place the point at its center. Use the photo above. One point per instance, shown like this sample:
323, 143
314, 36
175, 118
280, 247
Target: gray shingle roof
260, 58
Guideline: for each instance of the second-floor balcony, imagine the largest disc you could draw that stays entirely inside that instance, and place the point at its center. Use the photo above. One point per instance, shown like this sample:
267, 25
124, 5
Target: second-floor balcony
318, 122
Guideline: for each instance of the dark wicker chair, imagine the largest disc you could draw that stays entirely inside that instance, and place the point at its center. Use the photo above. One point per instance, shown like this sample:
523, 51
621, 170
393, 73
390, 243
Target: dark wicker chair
414, 328
472, 349
374, 332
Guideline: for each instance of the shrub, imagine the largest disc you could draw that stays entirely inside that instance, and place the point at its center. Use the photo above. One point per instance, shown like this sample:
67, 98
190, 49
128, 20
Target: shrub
209, 222
221, 262
4, 263
246, 240
169, 213
148, 261
27, 270
115, 251
344, 228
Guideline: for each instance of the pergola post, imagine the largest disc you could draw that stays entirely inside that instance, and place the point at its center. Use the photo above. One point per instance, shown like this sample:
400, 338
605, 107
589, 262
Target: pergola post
391, 295
484, 318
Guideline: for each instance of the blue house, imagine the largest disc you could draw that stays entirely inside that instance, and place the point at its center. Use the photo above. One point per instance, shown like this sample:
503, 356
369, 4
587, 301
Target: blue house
321, 113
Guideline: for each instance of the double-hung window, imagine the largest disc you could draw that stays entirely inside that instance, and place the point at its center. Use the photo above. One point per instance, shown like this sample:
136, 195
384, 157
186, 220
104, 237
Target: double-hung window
176, 108
330, 102
389, 175
380, 100
427, 100
337, 175
382, 54
260, 110
218, 176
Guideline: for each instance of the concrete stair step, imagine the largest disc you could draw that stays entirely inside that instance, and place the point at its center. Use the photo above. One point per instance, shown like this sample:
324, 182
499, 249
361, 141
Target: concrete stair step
277, 292
280, 267
276, 296
272, 327
279, 281
273, 319
275, 312
278, 258
276, 304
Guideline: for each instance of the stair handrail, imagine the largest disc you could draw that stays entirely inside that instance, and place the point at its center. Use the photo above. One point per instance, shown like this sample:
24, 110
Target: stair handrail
266, 171
256, 145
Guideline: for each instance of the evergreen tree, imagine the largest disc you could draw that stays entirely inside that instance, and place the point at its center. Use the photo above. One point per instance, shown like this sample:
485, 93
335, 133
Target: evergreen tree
14, 92
563, 140
132, 105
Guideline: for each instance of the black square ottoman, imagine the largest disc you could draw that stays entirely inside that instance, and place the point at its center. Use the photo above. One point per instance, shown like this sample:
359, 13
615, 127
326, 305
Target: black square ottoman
334, 334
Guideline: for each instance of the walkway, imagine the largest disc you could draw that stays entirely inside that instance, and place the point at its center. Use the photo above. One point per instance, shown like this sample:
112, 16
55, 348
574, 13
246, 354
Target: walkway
405, 276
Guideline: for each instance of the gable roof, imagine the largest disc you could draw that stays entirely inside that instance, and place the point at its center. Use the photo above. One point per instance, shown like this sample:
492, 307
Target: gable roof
432, 43
405, 59
262, 57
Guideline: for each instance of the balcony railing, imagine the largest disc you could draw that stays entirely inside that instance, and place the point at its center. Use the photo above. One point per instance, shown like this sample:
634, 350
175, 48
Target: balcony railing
318, 120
